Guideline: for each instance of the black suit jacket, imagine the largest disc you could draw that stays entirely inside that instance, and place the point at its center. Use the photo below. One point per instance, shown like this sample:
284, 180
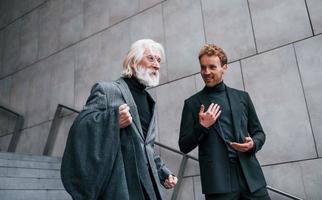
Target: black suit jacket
213, 152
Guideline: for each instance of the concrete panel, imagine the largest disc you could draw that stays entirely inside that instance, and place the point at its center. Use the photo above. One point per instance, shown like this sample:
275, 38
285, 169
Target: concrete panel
29, 39
49, 14
153, 29
61, 68
273, 81
197, 188
1, 51
115, 45
33, 140
19, 92
62, 135
312, 176
29, 173
5, 87
38, 94
11, 48
120, 10
23, 194
4, 142
4, 12
170, 99
29, 183
228, 24
71, 22
309, 59
89, 69
182, 48
144, 4
96, 16
186, 192
315, 11
279, 22
287, 178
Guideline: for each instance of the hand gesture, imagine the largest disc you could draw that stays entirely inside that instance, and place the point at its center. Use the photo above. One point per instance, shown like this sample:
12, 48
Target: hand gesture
243, 147
170, 182
208, 118
125, 118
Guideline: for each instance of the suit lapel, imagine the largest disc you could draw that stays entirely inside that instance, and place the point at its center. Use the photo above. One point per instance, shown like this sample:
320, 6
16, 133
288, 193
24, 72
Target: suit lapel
234, 101
204, 99
152, 121
133, 108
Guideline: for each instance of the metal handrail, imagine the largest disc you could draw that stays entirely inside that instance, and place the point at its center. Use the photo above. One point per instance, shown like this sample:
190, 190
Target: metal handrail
53, 135
17, 130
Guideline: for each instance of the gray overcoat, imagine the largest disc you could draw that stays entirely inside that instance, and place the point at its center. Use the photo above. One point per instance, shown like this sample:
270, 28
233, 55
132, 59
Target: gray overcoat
102, 161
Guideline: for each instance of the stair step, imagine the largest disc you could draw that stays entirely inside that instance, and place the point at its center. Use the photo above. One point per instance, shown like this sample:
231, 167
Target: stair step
10, 183
29, 164
26, 157
34, 195
28, 173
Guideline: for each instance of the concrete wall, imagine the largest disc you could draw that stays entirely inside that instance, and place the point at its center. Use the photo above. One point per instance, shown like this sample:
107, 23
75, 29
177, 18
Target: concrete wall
52, 51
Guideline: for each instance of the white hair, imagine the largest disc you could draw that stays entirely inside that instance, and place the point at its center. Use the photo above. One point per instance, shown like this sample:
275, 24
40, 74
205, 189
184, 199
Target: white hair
135, 54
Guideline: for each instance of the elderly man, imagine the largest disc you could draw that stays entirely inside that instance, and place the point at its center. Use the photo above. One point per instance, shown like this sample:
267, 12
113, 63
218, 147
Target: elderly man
223, 123
110, 148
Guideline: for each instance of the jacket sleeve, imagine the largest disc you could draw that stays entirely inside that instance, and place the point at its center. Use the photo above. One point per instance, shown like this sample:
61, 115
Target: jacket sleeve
254, 127
91, 148
191, 132
163, 171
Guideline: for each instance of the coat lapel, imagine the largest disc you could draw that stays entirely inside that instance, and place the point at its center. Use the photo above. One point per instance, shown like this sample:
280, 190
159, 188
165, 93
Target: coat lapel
234, 101
133, 108
152, 125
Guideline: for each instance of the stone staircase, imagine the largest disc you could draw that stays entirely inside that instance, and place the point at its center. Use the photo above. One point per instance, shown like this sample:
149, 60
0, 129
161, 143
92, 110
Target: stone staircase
30, 177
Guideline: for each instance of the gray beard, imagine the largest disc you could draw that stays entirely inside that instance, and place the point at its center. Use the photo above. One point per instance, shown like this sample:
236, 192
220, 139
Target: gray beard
146, 77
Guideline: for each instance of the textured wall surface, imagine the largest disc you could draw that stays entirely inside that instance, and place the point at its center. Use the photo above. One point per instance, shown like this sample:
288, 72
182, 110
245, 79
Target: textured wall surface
53, 51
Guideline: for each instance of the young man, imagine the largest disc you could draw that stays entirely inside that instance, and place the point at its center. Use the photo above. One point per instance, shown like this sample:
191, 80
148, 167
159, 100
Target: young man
223, 123
110, 148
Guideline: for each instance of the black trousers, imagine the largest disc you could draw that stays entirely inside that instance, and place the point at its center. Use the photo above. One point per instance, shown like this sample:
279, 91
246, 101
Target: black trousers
239, 189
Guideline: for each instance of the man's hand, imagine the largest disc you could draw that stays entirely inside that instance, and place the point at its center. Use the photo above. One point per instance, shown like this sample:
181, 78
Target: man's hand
125, 118
243, 147
170, 182
208, 118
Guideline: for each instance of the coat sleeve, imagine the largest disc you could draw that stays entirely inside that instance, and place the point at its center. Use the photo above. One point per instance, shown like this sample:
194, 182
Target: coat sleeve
191, 132
91, 148
163, 171
254, 127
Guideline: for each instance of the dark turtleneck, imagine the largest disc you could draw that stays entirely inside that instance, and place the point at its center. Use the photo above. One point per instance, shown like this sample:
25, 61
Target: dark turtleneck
142, 101
218, 95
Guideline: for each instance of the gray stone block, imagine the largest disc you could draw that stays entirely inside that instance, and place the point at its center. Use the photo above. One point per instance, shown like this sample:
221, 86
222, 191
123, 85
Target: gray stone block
38, 95
182, 48
273, 81
152, 29
285, 177
62, 135
4, 142
186, 192
49, 15
197, 188
144, 4
71, 22
279, 22
312, 175
29, 183
11, 48
315, 11
29, 39
23, 194
96, 16
170, 99
119, 10
228, 24
5, 88
61, 67
33, 140
309, 59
